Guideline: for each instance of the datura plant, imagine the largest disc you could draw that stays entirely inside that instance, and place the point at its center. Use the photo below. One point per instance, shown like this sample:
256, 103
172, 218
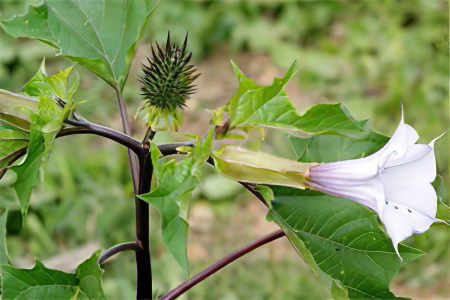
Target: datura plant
332, 203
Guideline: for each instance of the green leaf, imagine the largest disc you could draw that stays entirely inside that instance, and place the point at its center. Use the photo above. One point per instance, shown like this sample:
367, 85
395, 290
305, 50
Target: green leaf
99, 35
267, 193
45, 124
4, 258
341, 239
89, 276
175, 180
317, 148
11, 142
12, 122
256, 105
172, 196
10, 101
443, 209
55, 86
41, 283
28, 173
258, 167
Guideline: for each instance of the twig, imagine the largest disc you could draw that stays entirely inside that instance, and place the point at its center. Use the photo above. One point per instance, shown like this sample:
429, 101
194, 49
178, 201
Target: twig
251, 189
185, 286
168, 149
116, 249
148, 135
86, 127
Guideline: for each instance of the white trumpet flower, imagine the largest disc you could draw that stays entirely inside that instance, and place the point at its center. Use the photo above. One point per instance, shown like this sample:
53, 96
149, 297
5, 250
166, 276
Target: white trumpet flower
395, 182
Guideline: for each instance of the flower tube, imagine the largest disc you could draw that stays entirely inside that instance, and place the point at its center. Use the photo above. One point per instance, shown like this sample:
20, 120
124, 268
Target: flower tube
395, 182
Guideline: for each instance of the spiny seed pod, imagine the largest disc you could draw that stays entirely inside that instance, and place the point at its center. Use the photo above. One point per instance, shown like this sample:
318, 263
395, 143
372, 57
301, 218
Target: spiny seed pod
167, 84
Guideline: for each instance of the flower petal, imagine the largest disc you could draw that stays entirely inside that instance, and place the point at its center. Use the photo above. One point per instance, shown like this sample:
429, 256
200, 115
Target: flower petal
402, 221
401, 141
368, 192
419, 196
417, 165
356, 169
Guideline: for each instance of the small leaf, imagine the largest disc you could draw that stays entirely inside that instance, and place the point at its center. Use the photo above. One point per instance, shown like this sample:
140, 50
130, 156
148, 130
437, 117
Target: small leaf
175, 181
41, 283
99, 35
172, 196
218, 115
267, 193
343, 238
89, 275
258, 167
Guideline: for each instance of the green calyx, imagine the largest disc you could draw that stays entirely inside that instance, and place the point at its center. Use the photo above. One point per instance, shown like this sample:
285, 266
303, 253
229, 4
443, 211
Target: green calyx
167, 84
162, 119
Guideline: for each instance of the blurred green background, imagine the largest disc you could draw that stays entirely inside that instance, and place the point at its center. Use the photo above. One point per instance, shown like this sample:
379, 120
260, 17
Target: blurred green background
371, 55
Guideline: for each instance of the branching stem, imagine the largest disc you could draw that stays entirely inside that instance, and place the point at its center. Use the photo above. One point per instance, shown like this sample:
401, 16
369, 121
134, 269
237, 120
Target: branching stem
91, 128
118, 248
185, 286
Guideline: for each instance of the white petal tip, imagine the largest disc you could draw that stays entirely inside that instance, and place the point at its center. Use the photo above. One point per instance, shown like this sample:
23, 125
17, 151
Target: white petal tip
431, 144
398, 253
402, 120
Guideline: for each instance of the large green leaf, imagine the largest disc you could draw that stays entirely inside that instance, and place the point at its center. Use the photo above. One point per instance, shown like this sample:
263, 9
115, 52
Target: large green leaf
317, 148
341, 239
171, 197
100, 35
256, 105
41, 283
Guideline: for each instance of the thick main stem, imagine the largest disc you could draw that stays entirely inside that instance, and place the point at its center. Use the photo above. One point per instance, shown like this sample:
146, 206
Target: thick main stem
142, 176
143, 262
185, 286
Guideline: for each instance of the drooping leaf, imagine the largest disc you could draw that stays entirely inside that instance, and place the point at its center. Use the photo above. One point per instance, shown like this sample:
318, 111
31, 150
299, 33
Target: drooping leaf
99, 35
55, 104
41, 283
340, 238
28, 173
258, 167
256, 105
8, 121
10, 101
